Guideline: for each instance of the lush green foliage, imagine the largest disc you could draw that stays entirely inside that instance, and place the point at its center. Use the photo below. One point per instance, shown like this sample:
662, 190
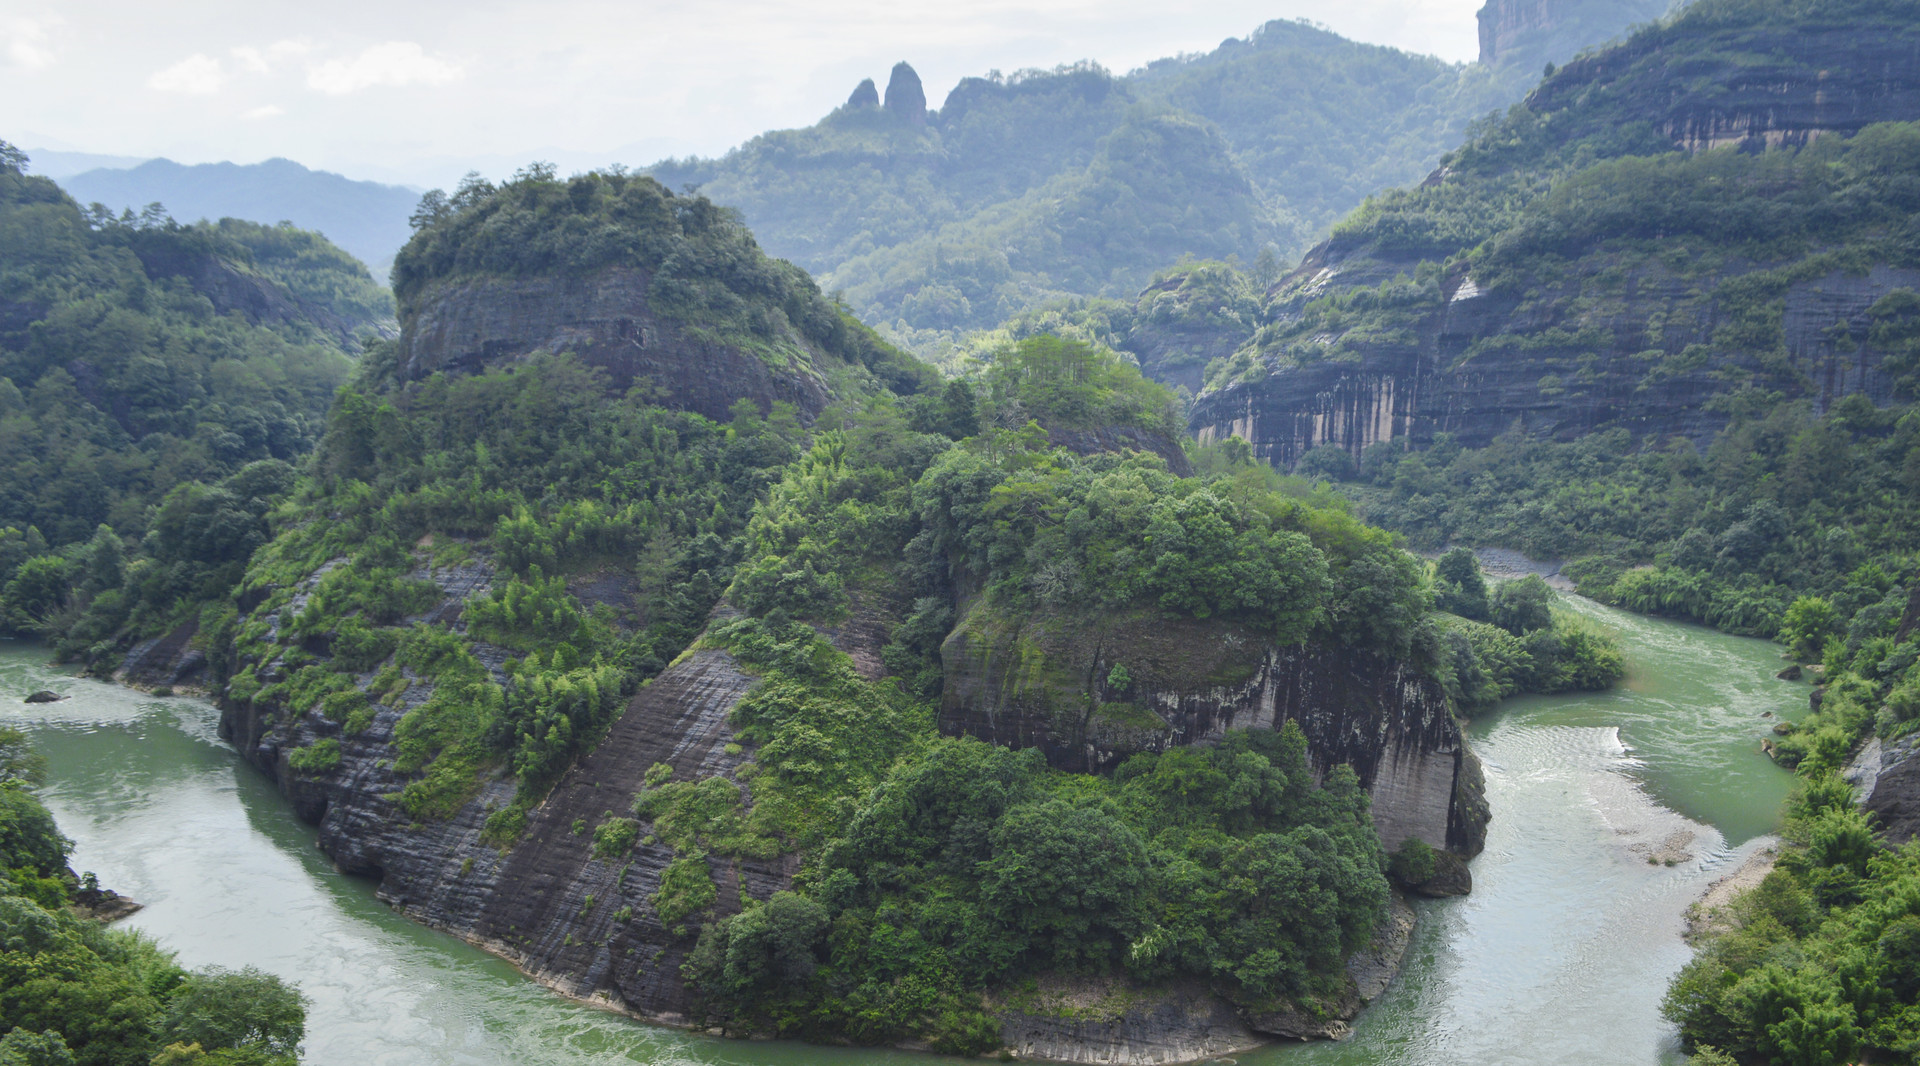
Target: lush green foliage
1509, 640
1071, 384
155, 380
75, 993
1823, 962
936, 868
532, 476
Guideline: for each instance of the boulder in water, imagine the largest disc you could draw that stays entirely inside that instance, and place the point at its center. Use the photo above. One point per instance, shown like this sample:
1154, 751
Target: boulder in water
44, 696
1450, 877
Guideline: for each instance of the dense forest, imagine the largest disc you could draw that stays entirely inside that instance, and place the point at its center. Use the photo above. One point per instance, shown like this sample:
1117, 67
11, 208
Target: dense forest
1656, 266
157, 382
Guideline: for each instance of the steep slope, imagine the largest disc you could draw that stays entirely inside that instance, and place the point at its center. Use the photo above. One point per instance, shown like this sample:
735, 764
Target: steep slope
1527, 281
651, 704
366, 218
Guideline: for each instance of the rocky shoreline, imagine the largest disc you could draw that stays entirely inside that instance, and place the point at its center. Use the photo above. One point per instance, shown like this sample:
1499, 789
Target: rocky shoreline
1712, 913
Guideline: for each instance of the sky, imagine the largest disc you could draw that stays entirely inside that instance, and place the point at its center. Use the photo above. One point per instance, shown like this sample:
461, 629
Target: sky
420, 91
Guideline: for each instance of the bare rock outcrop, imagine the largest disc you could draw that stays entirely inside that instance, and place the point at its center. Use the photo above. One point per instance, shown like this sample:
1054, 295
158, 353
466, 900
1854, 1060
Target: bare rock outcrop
606, 320
1049, 683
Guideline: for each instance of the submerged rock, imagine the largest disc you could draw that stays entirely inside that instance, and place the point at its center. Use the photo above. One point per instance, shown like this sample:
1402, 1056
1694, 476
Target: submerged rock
44, 696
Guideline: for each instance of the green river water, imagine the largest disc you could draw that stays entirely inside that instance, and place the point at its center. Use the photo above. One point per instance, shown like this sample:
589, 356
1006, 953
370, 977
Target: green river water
1560, 955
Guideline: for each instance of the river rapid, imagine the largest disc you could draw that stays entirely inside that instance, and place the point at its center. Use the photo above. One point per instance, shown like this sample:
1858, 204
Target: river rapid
1560, 955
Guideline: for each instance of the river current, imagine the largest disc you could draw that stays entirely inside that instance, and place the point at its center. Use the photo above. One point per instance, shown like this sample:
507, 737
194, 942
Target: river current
1612, 813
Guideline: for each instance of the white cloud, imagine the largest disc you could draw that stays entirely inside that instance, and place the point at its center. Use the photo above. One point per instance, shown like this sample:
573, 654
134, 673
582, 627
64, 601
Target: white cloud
24, 42
392, 63
258, 60
197, 74
268, 111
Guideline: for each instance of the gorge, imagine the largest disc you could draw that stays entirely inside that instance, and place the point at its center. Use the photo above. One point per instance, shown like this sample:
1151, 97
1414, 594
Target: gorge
1587, 786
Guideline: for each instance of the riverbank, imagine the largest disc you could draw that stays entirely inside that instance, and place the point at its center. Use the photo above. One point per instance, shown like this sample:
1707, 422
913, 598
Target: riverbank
1561, 954
1712, 913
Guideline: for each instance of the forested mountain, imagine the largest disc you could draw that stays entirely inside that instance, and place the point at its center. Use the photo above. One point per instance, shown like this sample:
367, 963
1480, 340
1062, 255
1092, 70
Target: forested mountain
1026, 188
598, 654
366, 218
1658, 320
142, 361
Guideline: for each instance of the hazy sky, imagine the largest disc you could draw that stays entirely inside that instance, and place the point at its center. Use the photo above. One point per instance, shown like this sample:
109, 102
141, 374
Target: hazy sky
419, 91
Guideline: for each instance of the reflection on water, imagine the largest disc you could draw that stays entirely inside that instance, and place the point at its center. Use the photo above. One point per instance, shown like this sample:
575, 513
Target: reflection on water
1560, 955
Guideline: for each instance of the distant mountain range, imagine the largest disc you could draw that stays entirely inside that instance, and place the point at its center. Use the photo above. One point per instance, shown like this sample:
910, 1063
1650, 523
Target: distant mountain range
366, 218
1018, 191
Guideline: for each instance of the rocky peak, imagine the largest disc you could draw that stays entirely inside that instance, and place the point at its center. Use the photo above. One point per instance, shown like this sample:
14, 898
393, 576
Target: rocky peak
1523, 34
905, 97
864, 95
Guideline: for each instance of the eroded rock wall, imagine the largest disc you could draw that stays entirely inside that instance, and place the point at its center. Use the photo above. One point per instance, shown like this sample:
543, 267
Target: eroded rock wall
1483, 363
579, 923
1048, 682
606, 320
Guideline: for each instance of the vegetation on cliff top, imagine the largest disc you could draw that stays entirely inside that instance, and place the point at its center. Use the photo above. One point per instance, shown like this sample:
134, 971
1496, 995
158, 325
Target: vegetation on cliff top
701, 265
934, 869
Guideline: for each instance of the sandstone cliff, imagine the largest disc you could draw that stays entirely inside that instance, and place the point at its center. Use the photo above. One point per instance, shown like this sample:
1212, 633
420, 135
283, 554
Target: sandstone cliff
1526, 33
1051, 683
581, 924
1496, 295
605, 318
1556, 368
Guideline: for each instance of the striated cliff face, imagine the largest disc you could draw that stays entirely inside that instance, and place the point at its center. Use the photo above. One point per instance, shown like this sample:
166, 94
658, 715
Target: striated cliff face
1050, 683
1526, 33
1785, 85
605, 319
1477, 364
583, 925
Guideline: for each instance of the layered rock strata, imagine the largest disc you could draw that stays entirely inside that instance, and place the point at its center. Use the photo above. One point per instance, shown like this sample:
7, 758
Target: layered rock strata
605, 319
1049, 683
1545, 377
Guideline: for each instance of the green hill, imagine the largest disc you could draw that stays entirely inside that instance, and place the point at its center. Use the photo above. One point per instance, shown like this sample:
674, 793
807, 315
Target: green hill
1023, 189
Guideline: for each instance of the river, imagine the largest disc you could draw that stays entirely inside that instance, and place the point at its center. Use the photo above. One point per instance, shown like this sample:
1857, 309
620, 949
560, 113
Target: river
1560, 954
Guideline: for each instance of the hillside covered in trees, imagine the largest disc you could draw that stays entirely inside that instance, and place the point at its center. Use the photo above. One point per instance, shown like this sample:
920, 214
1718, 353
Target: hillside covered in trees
498, 620
1021, 189
157, 382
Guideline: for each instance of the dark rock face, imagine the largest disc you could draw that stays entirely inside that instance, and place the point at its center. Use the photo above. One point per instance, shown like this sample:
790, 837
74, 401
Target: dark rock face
864, 95
603, 318
905, 97
170, 660
1789, 84
1191, 682
1530, 32
1121, 439
1181, 1023
1420, 386
1450, 878
581, 924
1886, 780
